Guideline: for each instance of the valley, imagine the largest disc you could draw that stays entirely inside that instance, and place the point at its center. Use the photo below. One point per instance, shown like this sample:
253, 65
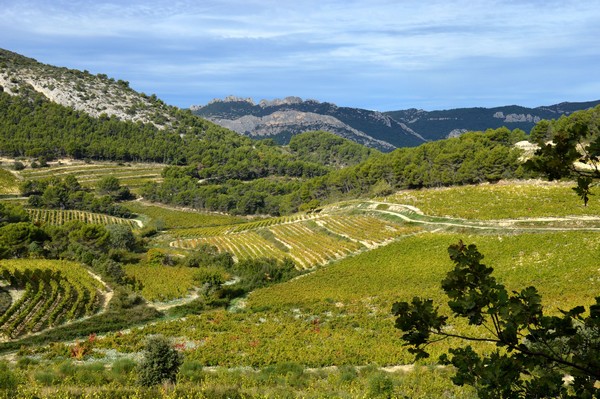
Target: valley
272, 271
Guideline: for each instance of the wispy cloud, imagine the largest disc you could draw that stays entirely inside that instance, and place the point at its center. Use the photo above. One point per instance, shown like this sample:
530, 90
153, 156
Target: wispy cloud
376, 54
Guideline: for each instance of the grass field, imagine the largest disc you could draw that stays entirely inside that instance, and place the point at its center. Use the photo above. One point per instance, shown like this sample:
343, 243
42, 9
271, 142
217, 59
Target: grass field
505, 200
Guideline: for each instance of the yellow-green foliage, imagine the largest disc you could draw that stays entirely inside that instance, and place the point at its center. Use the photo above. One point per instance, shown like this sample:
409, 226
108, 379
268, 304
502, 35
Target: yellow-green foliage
244, 245
309, 243
57, 217
8, 182
71, 270
131, 175
229, 228
50, 293
288, 380
340, 314
173, 218
505, 200
162, 283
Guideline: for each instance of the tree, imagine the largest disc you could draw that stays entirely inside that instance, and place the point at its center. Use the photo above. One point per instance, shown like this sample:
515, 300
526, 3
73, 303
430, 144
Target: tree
535, 352
576, 140
161, 362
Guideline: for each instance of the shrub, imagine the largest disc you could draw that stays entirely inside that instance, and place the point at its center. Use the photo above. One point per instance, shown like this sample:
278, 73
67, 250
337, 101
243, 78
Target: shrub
18, 165
8, 380
380, 386
161, 362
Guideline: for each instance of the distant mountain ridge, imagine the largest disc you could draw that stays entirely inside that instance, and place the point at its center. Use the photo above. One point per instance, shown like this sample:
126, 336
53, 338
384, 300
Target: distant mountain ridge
435, 125
282, 118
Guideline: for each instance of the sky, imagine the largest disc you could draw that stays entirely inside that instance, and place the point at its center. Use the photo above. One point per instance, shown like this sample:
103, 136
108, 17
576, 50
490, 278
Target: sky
379, 54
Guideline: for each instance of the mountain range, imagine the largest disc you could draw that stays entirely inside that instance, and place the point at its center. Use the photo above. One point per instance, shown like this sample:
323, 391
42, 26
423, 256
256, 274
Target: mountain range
281, 119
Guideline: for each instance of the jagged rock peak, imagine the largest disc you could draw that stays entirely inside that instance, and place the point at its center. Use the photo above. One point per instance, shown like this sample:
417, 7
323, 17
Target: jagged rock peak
232, 99
291, 100
279, 101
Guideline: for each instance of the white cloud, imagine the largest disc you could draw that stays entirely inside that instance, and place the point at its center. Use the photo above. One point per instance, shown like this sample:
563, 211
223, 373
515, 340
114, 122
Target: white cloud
321, 39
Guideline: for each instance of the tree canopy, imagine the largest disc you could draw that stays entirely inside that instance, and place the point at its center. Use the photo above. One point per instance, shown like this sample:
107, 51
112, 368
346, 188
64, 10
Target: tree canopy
569, 148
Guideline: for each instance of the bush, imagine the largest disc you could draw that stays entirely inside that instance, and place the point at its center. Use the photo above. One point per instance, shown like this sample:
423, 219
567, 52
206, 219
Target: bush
8, 380
380, 386
161, 362
18, 165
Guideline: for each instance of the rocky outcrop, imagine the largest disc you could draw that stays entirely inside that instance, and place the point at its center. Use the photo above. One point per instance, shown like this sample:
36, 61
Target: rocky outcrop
93, 94
277, 122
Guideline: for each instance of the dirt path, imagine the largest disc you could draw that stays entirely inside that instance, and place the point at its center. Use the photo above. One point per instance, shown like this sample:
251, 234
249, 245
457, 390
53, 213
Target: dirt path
108, 293
160, 306
500, 224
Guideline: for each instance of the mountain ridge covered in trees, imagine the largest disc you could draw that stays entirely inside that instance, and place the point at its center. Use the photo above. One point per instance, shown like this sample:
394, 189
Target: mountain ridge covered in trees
282, 119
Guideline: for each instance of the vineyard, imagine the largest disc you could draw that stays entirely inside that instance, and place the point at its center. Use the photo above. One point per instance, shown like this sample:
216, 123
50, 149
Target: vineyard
45, 294
131, 175
527, 199
310, 240
57, 217
241, 227
347, 304
163, 283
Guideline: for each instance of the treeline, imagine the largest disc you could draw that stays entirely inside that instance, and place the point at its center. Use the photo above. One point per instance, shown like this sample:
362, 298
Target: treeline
32, 126
67, 193
329, 149
547, 130
470, 158
260, 196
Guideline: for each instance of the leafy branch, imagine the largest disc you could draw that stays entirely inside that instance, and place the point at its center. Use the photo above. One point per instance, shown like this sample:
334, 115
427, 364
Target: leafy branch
534, 353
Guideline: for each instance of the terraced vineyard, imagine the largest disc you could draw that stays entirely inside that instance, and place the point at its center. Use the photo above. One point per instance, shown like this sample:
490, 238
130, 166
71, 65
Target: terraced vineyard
131, 175
44, 294
244, 245
310, 240
368, 230
57, 217
238, 228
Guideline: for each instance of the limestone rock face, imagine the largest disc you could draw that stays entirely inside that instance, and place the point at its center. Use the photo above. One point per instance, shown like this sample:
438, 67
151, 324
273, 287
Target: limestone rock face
93, 94
283, 118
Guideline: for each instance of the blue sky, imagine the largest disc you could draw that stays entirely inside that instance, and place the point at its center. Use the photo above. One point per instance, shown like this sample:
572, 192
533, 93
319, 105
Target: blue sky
376, 54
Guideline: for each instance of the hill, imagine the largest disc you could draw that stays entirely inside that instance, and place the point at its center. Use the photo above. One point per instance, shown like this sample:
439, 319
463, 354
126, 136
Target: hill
281, 119
435, 125
95, 95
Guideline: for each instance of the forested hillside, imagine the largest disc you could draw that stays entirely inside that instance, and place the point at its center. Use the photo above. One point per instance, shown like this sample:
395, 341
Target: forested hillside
471, 158
32, 126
